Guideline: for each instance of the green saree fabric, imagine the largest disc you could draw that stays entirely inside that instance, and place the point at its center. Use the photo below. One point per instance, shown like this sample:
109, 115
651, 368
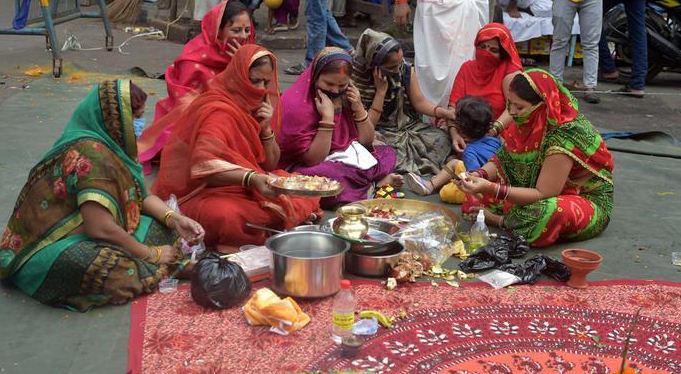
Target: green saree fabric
93, 160
583, 208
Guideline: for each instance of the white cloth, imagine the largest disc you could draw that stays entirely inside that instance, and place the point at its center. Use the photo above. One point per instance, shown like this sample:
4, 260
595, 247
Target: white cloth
529, 27
355, 155
444, 33
201, 7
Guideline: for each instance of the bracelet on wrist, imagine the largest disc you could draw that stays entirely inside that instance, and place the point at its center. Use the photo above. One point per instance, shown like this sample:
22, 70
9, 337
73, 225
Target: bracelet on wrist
328, 124
364, 118
246, 179
268, 137
249, 178
435, 111
166, 217
376, 110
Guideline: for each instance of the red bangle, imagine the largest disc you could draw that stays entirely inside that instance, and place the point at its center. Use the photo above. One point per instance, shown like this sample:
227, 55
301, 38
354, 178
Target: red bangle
482, 173
401, 2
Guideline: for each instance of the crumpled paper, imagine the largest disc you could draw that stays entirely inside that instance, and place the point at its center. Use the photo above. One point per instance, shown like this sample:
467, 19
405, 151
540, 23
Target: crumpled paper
265, 308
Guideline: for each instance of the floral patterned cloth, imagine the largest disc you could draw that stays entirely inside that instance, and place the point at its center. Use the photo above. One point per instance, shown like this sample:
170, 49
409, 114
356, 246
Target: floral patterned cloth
95, 159
543, 328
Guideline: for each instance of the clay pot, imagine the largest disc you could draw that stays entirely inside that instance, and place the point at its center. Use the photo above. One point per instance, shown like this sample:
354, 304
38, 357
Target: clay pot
581, 262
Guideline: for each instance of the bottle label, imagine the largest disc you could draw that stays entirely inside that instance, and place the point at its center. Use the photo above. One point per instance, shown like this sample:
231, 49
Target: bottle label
343, 321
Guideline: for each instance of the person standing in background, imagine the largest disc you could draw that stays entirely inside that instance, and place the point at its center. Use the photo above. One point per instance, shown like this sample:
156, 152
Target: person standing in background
322, 31
590, 25
444, 35
636, 24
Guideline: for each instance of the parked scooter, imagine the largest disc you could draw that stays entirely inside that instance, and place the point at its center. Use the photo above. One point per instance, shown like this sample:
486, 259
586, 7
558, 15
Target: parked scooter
663, 24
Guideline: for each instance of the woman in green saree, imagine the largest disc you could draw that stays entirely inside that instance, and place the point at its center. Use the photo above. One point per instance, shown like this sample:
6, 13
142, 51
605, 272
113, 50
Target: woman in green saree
84, 231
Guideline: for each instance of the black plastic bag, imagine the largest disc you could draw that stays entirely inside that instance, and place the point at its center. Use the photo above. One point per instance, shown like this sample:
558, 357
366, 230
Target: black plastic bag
219, 283
529, 271
498, 252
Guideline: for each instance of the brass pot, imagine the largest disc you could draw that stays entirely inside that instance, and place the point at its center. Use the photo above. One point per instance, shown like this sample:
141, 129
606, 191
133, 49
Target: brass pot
351, 222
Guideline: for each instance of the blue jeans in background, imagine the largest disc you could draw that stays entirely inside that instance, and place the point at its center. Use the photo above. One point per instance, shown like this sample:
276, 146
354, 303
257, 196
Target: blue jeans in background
636, 19
322, 30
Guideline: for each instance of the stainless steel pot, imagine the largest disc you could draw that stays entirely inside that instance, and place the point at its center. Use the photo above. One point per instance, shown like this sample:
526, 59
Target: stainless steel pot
373, 265
306, 263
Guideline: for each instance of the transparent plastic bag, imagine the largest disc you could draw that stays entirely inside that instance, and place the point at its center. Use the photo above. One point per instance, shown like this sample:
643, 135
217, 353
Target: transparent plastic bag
189, 250
430, 235
499, 279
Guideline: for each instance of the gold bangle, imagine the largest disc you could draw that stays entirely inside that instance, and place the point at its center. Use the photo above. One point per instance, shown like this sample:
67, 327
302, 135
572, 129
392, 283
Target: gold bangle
330, 129
157, 251
327, 123
166, 217
366, 117
268, 137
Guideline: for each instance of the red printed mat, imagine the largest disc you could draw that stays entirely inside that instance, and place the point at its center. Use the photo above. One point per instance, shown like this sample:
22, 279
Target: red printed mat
544, 328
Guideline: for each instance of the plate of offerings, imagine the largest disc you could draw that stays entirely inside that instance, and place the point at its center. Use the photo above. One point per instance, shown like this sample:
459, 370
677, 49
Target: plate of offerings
402, 211
307, 185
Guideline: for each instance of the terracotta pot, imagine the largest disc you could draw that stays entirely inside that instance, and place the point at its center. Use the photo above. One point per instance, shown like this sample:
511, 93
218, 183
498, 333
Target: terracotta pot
581, 262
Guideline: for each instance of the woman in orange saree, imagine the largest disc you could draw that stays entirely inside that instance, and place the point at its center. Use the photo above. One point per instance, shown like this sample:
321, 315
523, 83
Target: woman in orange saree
223, 154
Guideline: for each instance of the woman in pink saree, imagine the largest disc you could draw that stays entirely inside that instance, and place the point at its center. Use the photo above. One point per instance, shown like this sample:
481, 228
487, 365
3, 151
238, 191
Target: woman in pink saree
223, 30
326, 131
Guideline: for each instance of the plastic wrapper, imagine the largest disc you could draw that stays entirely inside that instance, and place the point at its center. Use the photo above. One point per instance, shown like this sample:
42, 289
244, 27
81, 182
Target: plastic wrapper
429, 235
496, 253
499, 279
189, 250
219, 283
530, 270
366, 326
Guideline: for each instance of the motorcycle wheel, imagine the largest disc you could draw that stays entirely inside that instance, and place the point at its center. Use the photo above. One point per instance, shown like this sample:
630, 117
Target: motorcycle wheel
622, 52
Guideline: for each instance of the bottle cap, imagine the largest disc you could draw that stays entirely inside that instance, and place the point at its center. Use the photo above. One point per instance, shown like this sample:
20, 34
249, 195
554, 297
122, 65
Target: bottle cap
345, 284
481, 216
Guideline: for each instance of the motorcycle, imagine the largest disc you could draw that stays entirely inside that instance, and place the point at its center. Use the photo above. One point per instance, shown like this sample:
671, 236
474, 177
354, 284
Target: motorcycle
663, 26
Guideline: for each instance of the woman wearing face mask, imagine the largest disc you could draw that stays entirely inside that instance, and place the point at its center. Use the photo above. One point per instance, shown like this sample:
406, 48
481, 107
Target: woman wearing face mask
552, 179
84, 231
221, 157
390, 89
488, 76
326, 130
224, 29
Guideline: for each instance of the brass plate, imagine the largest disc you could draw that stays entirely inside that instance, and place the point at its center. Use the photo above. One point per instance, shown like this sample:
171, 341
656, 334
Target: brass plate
409, 209
277, 186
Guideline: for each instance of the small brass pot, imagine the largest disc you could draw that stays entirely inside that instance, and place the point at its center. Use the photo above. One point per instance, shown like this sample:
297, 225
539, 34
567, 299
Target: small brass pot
351, 222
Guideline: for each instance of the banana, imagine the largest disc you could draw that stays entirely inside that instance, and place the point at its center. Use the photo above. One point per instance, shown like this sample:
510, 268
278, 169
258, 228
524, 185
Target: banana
380, 317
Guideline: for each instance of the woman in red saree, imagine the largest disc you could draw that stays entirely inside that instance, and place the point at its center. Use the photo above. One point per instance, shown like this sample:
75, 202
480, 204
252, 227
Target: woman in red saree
223, 30
553, 178
488, 76
223, 152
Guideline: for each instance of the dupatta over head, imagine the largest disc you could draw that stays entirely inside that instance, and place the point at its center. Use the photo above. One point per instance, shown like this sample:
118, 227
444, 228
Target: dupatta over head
372, 49
555, 126
201, 60
484, 76
217, 132
95, 159
300, 120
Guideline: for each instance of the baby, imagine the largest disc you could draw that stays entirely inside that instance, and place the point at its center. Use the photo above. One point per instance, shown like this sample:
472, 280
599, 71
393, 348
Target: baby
473, 122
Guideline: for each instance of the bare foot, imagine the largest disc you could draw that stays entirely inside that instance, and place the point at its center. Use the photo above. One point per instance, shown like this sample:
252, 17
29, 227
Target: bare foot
392, 179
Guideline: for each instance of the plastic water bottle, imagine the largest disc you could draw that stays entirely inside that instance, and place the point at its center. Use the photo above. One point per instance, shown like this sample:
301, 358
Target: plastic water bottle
479, 232
343, 312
